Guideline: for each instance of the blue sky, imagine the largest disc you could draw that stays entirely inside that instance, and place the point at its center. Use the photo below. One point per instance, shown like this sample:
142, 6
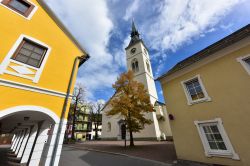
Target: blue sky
172, 30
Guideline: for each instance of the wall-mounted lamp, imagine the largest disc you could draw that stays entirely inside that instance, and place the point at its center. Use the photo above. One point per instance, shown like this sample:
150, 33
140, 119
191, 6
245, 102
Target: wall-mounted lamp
171, 116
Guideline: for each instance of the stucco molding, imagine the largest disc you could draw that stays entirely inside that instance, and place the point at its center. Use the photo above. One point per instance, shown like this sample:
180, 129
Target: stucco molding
229, 153
241, 60
27, 87
7, 60
30, 15
189, 99
23, 108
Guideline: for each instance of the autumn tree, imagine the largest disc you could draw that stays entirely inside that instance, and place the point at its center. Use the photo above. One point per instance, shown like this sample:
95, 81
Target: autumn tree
131, 102
96, 116
75, 106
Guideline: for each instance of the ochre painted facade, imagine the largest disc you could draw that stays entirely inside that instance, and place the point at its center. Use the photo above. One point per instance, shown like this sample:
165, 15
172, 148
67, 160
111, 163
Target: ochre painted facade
35, 87
56, 73
227, 84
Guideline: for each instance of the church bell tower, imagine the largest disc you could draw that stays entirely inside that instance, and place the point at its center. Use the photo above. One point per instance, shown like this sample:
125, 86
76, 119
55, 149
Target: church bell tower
138, 61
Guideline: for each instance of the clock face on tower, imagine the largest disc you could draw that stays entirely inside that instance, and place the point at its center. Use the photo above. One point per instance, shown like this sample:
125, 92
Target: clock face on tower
133, 50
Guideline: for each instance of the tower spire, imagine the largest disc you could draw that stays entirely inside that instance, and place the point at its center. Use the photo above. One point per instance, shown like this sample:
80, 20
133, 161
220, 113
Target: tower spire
133, 27
135, 36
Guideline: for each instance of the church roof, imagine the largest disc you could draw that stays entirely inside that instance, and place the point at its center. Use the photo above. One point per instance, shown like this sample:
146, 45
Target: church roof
221, 44
107, 103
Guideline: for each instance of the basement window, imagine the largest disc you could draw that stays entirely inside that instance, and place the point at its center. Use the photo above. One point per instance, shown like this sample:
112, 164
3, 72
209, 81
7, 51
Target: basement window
214, 139
30, 53
22, 7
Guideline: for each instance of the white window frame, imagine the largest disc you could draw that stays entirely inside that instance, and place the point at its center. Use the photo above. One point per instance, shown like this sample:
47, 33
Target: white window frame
190, 101
7, 60
243, 63
229, 153
30, 15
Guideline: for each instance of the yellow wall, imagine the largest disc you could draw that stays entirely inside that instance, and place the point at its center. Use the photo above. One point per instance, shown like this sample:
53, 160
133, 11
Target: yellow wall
80, 136
227, 83
57, 70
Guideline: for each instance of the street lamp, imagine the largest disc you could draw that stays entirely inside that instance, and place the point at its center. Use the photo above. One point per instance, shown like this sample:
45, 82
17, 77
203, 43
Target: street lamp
125, 140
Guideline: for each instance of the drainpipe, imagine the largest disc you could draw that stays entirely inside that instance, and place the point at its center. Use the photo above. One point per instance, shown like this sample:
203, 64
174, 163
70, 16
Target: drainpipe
82, 59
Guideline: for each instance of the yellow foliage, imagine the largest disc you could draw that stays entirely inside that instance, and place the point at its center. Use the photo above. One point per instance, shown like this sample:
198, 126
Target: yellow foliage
131, 102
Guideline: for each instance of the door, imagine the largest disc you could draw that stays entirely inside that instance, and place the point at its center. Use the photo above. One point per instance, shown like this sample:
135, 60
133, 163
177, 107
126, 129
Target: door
123, 130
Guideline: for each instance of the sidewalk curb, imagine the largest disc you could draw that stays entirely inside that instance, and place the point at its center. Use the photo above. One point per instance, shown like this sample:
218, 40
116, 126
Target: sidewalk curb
121, 154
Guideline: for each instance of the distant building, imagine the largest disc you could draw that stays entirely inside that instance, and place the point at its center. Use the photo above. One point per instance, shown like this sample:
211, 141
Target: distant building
93, 132
113, 127
208, 100
82, 124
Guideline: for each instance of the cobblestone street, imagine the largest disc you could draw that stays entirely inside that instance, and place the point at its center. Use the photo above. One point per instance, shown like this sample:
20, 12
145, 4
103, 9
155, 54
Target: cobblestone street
162, 152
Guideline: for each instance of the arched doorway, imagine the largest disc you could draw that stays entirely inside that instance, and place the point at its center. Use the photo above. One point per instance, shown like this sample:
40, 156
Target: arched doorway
32, 128
123, 131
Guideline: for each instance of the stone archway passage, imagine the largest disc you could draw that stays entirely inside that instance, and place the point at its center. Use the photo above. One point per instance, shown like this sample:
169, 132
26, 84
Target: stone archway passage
33, 133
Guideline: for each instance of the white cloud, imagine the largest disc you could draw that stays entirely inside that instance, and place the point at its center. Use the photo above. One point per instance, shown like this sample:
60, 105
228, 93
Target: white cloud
180, 21
131, 9
88, 20
226, 26
165, 25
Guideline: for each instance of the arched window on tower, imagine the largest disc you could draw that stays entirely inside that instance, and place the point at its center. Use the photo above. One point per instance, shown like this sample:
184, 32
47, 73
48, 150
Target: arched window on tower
135, 65
109, 127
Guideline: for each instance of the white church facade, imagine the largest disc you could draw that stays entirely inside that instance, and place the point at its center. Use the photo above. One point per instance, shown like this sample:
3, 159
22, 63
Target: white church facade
138, 60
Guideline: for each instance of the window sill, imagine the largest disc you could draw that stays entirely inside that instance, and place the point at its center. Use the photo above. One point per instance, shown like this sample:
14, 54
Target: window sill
230, 155
205, 99
24, 64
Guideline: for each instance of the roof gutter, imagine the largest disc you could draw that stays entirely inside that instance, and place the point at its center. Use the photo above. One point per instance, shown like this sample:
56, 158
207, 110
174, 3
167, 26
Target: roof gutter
83, 60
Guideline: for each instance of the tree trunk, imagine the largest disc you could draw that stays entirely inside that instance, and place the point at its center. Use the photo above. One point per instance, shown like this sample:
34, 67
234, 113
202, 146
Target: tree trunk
96, 131
131, 138
73, 127
74, 121
130, 130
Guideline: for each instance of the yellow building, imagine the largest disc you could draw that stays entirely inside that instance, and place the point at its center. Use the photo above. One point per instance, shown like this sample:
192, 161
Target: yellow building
82, 123
208, 99
39, 60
